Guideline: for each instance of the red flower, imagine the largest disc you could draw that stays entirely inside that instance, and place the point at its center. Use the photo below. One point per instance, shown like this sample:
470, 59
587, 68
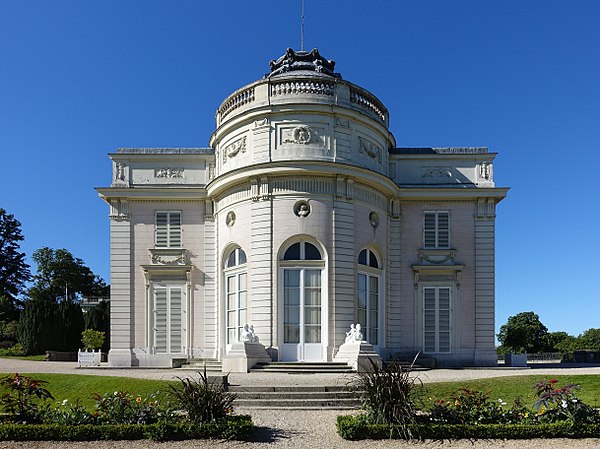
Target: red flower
553, 381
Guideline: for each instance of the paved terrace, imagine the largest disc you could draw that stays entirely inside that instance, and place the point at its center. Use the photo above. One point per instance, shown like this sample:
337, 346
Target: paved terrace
295, 428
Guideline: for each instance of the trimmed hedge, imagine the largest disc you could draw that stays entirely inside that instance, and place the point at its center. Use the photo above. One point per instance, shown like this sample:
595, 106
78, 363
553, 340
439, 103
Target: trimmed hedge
356, 428
237, 427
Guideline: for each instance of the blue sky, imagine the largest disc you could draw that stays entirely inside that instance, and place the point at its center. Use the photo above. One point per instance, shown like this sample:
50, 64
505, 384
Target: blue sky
79, 79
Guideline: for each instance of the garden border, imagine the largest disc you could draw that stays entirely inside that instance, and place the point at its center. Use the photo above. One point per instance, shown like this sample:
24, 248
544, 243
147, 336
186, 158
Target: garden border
236, 427
354, 427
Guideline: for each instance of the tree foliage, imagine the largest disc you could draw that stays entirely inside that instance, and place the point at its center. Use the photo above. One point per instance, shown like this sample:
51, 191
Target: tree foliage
590, 339
14, 272
48, 326
60, 276
523, 332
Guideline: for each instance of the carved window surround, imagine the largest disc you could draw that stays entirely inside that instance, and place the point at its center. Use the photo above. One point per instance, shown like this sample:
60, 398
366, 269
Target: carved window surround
437, 256
168, 256
437, 273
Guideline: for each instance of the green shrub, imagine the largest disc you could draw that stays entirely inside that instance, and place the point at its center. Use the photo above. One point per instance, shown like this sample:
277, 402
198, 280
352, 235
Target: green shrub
23, 397
388, 394
234, 427
357, 428
203, 401
14, 350
92, 339
122, 407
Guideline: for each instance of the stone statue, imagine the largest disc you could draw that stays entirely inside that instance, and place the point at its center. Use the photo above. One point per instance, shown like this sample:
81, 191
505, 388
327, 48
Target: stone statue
358, 336
350, 334
354, 335
253, 336
246, 336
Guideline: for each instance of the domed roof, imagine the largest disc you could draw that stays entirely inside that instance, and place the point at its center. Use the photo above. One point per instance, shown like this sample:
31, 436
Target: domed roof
304, 61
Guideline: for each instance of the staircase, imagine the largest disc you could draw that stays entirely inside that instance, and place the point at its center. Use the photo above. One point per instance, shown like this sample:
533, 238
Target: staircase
303, 367
296, 397
212, 365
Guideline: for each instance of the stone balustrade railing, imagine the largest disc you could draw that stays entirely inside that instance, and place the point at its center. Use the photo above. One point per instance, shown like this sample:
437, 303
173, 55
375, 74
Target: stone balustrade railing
368, 102
302, 87
235, 101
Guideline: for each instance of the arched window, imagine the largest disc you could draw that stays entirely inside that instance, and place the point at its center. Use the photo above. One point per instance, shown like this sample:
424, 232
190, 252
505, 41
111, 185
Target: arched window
302, 271
236, 301
368, 295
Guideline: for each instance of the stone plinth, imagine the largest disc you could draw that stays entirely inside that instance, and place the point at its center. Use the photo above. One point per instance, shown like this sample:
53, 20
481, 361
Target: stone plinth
244, 356
360, 355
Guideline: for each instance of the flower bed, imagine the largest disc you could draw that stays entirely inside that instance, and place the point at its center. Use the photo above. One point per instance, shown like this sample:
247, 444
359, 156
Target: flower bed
198, 409
390, 398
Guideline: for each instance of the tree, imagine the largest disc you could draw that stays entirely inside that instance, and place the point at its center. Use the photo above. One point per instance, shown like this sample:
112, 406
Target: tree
60, 276
523, 332
590, 339
14, 272
559, 342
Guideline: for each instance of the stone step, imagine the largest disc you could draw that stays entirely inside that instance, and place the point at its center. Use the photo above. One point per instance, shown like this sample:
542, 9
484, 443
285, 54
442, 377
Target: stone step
292, 388
211, 365
306, 403
302, 367
276, 396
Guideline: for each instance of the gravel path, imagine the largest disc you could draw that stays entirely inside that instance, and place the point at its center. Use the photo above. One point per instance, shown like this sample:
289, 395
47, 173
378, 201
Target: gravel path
294, 428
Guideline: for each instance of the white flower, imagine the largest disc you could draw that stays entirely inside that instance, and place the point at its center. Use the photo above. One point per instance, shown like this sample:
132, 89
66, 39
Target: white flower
564, 404
65, 402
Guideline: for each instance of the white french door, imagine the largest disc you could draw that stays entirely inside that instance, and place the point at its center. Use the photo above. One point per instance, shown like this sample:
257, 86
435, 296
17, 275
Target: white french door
168, 319
302, 315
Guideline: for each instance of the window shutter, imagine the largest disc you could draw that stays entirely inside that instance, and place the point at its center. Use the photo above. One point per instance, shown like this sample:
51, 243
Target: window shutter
429, 230
443, 240
176, 316
175, 229
429, 319
162, 239
160, 320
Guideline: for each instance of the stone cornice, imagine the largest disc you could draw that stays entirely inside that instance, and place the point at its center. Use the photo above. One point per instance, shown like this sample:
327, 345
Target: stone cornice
159, 193
332, 169
456, 193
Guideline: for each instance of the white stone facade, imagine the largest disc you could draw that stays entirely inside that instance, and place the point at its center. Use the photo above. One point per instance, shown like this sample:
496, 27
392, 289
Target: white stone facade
301, 218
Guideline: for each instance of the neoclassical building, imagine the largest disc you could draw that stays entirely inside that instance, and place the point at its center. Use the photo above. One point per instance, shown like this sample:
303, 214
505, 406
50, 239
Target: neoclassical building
301, 218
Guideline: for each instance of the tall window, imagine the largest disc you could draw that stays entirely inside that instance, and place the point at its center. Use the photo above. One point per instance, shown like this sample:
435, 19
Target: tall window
436, 230
169, 319
168, 229
302, 295
436, 316
368, 295
236, 281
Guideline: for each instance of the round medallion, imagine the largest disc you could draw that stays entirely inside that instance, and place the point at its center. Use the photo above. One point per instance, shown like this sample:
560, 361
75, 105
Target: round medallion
230, 218
374, 219
302, 209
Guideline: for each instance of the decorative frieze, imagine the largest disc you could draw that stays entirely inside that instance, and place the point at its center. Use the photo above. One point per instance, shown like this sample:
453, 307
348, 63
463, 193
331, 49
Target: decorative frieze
396, 209
370, 149
437, 256
168, 256
300, 135
209, 209
168, 173
342, 123
211, 171
436, 172
234, 148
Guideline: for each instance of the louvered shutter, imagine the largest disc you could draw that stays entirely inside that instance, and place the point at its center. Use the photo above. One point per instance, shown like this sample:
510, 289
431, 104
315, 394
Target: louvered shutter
162, 234
429, 222
160, 320
176, 320
443, 230
175, 229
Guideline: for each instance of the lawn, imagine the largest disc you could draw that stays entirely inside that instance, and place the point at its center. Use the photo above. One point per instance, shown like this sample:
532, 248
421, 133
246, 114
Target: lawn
510, 388
35, 358
82, 387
